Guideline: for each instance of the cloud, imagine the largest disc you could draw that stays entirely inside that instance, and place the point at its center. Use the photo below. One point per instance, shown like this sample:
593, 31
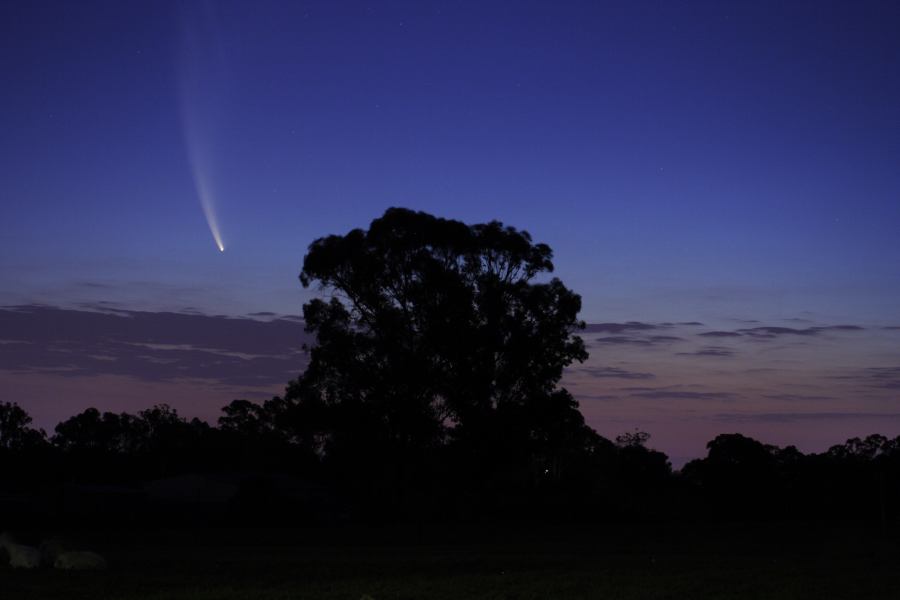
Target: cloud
151, 346
613, 372
93, 285
795, 417
619, 327
710, 351
884, 377
668, 394
638, 341
599, 397
617, 339
876, 377
797, 397
771, 332
630, 334
103, 306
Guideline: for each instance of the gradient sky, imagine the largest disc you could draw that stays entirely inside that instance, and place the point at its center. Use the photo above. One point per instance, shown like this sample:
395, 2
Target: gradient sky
708, 162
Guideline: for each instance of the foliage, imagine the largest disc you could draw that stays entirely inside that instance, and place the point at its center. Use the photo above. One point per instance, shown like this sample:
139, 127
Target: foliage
436, 335
16, 433
587, 478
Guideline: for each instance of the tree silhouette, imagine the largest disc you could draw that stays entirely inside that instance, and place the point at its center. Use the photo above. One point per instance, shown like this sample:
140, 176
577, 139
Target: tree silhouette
436, 334
16, 433
547, 464
91, 431
25, 455
245, 418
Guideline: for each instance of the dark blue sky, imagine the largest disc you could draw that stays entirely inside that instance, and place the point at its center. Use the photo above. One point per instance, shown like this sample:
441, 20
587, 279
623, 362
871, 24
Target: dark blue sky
730, 159
687, 161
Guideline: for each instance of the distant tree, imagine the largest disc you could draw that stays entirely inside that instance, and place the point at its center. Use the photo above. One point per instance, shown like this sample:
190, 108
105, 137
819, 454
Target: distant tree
641, 469
170, 442
245, 418
632, 438
91, 431
740, 476
863, 472
25, 455
740, 453
256, 437
16, 433
861, 450
436, 333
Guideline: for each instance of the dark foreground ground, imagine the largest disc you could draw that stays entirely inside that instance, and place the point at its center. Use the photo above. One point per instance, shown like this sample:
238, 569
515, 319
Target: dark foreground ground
623, 563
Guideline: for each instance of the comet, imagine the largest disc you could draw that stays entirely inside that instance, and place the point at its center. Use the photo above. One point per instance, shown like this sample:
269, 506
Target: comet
200, 170
209, 208
202, 86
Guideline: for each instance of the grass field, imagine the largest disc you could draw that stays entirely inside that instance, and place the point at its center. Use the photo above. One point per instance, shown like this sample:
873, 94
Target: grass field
738, 564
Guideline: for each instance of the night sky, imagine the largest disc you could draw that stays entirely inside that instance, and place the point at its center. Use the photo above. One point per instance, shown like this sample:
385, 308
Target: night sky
720, 181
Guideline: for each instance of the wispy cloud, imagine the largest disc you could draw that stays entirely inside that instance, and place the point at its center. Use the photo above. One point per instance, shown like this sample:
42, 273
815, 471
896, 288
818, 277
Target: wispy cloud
797, 397
771, 332
618, 339
719, 351
668, 394
876, 377
638, 341
794, 417
151, 346
885, 377
619, 327
613, 373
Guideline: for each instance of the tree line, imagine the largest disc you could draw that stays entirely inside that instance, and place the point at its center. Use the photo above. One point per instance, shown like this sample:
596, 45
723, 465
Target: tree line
594, 479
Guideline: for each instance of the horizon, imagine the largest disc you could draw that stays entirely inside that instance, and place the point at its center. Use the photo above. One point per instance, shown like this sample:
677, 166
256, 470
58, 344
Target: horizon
197, 363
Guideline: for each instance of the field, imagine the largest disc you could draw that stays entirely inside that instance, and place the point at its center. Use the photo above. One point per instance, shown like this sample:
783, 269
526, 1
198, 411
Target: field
729, 563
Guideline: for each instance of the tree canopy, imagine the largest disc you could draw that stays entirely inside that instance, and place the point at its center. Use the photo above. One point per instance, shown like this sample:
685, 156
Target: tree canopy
434, 333
16, 432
